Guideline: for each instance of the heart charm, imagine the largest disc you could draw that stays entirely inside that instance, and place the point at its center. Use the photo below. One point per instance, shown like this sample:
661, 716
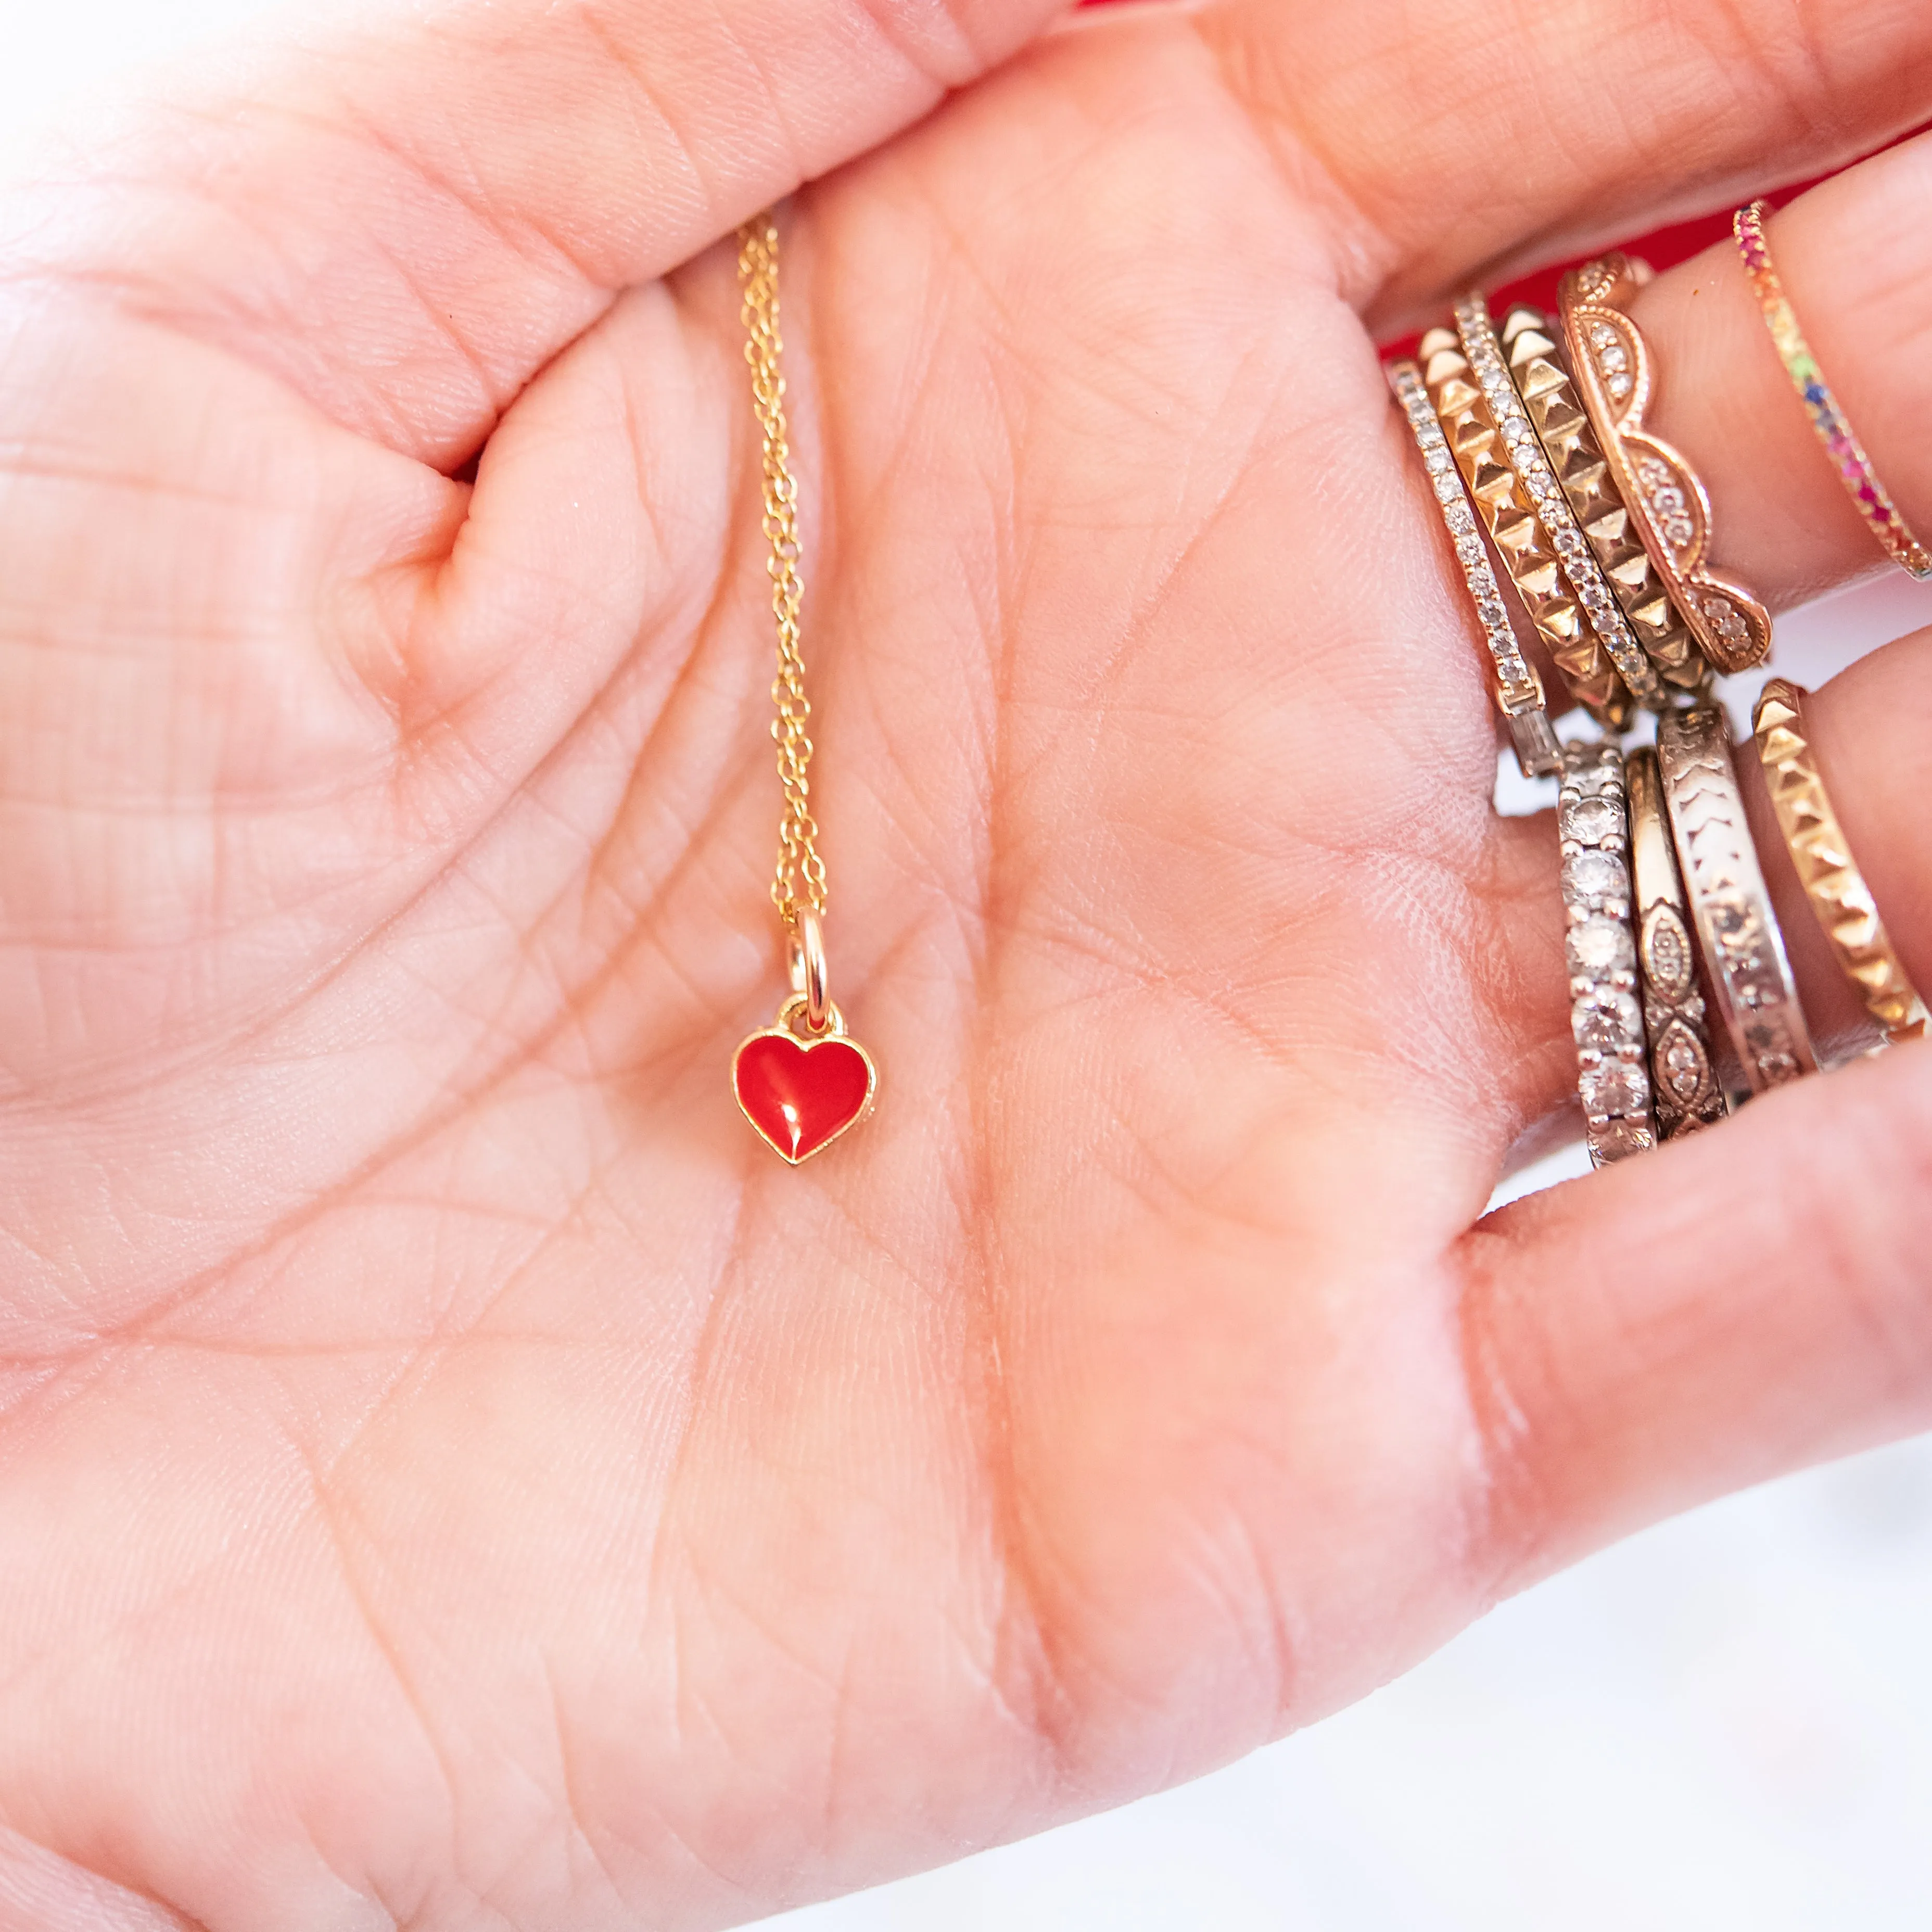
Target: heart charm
802, 1094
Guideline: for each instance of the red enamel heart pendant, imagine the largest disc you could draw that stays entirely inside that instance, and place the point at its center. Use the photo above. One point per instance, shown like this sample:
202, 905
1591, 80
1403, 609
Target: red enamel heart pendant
802, 1092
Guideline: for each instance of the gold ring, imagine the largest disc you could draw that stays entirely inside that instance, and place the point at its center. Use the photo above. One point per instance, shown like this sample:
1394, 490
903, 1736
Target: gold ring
1840, 898
1518, 691
805, 955
1869, 497
1665, 500
1524, 454
1682, 1072
1737, 926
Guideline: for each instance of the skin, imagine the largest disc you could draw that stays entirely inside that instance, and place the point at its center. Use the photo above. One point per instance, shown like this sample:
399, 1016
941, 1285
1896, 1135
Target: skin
451, 1475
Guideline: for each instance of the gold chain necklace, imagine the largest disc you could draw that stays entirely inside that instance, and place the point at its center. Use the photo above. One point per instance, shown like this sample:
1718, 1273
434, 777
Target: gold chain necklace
800, 1081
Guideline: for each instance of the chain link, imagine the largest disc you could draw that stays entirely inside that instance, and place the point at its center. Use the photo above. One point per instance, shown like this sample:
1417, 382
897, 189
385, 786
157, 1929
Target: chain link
799, 877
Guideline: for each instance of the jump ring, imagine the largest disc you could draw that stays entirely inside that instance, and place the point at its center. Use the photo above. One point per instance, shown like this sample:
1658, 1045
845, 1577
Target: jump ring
805, 950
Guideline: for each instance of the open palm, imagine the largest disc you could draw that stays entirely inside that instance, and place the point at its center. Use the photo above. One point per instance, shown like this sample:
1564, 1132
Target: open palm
451, 1473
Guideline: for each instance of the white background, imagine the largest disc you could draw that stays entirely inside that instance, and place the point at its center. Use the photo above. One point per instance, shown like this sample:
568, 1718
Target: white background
1724, 1724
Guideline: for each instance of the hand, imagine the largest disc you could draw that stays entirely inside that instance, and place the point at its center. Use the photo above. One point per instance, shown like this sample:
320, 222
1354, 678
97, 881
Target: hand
450, 1474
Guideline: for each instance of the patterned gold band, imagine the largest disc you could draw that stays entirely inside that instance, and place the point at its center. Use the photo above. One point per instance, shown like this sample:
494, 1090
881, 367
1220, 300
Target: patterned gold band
1666, 501
1737, 925
1833, 883
1682, 1074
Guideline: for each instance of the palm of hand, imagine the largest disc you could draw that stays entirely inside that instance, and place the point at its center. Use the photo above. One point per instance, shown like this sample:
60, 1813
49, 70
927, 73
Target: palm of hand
545, 1492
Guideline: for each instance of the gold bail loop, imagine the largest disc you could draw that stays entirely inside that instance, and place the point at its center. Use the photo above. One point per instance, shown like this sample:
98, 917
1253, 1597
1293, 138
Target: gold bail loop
804, 957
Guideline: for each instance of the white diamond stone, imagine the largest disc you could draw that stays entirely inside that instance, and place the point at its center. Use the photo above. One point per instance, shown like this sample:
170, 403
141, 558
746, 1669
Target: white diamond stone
1685, 1065
1589, 820
1606, 1020
1595, 875
1597, 947
1615, 1088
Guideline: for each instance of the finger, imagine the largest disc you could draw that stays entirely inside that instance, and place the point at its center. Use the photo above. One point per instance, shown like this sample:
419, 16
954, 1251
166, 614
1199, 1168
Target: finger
39, 1887
1867, 733
407, 220
1857, 265
1461, 136
1740, 1304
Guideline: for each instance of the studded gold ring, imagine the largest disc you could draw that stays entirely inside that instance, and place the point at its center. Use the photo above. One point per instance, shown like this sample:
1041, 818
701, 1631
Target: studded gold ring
1836, 889
1475, 439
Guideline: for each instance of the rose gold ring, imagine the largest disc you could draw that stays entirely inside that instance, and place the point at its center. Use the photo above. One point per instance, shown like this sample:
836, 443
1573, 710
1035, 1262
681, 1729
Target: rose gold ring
1667, 501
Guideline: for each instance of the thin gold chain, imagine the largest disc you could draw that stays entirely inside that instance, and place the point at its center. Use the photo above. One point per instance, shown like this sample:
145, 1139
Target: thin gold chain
799, 878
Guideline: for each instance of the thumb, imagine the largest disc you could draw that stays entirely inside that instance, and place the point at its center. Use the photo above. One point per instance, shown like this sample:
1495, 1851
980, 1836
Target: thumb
1736, 1306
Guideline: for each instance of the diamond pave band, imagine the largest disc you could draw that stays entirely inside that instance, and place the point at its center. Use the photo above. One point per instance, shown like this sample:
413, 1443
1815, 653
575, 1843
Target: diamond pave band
1519, 690
1600, 949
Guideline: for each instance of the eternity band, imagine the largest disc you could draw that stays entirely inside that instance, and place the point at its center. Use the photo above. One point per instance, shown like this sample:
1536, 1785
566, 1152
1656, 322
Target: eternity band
1600, 950
1869, 497
1519, 690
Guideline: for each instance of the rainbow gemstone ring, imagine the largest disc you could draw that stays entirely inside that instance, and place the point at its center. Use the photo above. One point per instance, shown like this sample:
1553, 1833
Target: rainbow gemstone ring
1847, 454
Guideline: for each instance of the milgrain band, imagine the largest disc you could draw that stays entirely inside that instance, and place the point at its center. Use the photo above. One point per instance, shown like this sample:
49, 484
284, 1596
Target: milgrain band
1562, 427
1682, 1076
1611, 365
1839, 895
1524, 452
1521, 541
1744, 951
1868, 495
1600, 949
1518, 691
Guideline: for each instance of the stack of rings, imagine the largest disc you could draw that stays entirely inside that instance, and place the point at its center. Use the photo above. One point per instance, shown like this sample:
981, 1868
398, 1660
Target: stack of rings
1534, 439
